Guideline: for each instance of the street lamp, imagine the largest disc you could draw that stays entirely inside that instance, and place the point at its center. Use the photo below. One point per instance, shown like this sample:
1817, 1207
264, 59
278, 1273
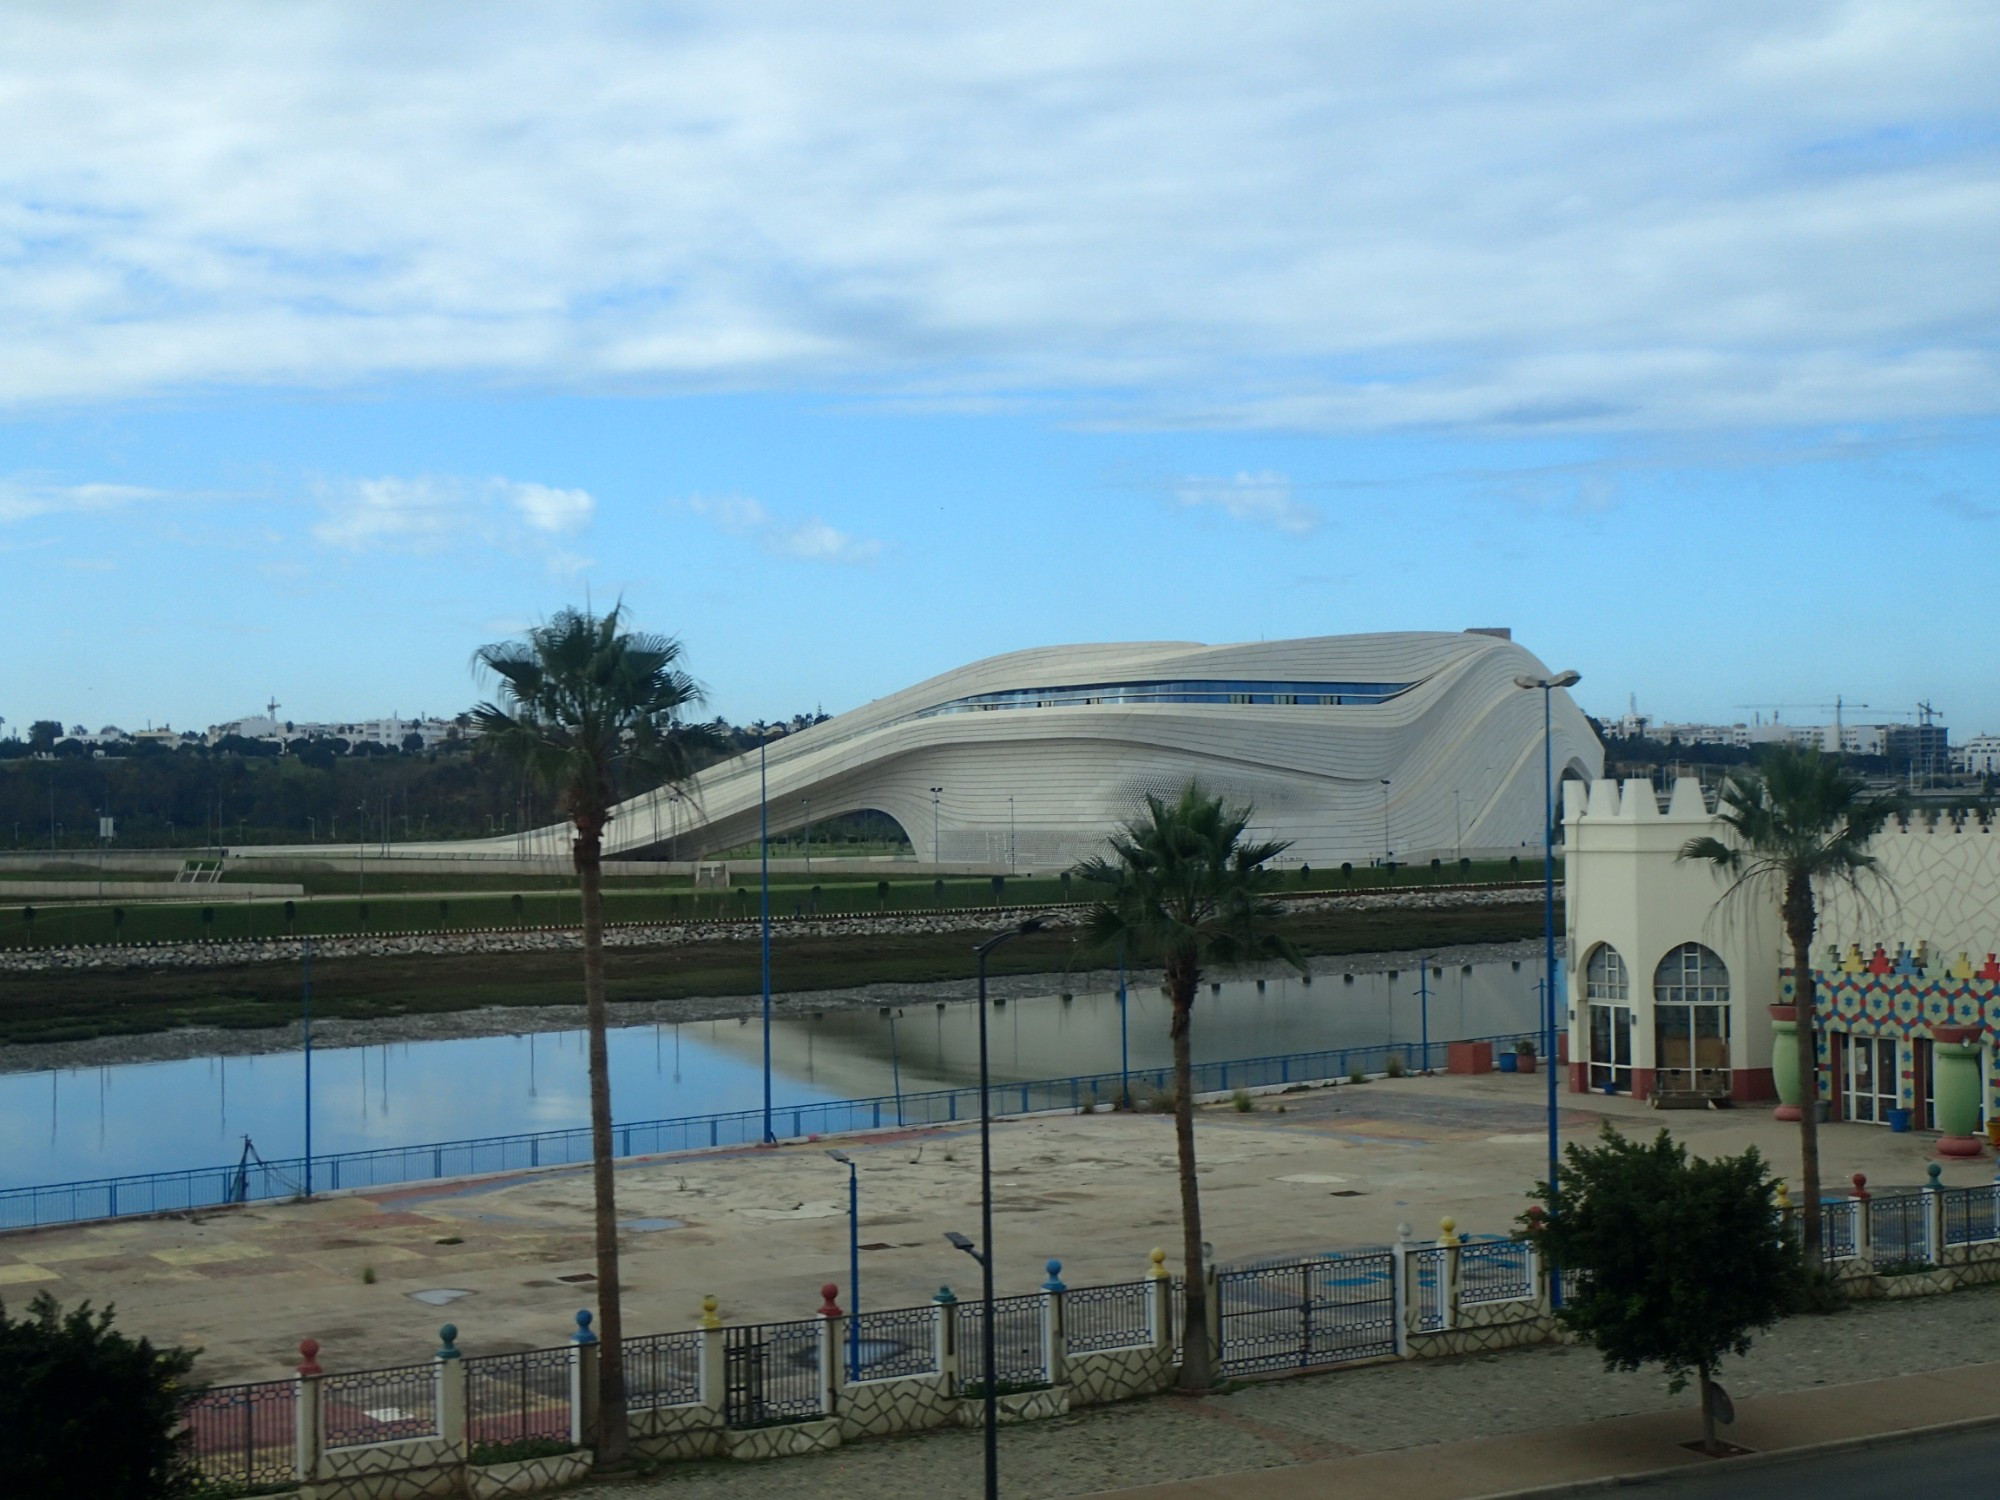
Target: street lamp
853, 1264
1012, 861
1546, 686
809, 833
764, 902
960, 1242
1386, 850
937, 844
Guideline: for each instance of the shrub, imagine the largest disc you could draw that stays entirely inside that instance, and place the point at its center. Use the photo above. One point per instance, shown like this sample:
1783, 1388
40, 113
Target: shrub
518, 1449
1242, 1101
86, 1411
1357, 1076
1396, 1067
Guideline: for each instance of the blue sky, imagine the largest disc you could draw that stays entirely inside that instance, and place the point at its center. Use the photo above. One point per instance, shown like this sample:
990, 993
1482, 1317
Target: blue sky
850, 343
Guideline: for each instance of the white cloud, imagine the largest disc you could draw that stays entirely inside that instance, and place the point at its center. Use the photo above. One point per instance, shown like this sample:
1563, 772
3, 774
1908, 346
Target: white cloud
811, 540
432, 514
22, 500
1260, 499
1361, 216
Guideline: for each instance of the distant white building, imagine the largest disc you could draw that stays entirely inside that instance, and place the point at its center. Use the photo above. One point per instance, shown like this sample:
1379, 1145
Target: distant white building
389, 733
1978, 756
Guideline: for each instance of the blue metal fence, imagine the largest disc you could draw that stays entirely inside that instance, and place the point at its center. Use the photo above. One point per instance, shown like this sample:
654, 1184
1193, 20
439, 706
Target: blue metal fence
211, 1187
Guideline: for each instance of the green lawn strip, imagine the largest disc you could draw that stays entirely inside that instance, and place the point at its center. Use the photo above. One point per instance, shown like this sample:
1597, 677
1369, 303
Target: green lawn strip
212, 913
76, 1006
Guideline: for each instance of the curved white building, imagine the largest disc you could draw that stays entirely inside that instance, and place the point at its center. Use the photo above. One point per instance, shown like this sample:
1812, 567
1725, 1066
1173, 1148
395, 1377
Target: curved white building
1417, 744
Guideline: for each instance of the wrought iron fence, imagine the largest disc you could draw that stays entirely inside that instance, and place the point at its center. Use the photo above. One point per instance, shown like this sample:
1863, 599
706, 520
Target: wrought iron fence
1108, 1317
1839, 1229
1496, 1271
512, 1397
1899, 1229
1971, 1215
245, 1435
896, 1341
663, 1369
771, 1373
1321, 1311
1020, 1350
1428, 1267
379, 1406
207, 1187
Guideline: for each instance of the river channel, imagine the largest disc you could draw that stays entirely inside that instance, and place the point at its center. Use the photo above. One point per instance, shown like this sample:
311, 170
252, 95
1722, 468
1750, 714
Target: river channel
70, 1124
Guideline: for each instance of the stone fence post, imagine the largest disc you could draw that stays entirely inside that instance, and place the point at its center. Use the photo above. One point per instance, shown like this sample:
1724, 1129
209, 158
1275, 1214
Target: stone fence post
1160, 1309
1864, 1224
310, 1414
451, 1394
1055, 1334
583, 1383
1934, 1215
946, 1303
832, 1359
1404, 1288
714, 1371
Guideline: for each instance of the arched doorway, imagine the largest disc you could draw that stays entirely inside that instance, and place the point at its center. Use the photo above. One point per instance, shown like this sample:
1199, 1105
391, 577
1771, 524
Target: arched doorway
1691, 1021
1607, 994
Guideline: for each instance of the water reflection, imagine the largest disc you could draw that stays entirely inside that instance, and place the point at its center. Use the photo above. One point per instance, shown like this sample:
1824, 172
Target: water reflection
168, 1115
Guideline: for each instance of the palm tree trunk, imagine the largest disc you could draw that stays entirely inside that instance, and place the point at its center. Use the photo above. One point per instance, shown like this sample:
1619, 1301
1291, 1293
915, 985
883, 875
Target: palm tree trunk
1800, 919
612, 1438
1707, 1411
1197, 1370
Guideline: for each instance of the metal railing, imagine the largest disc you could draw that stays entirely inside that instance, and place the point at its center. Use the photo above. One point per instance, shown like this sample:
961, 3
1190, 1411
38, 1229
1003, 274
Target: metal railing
1496, 1271
771, 1373
1108, 1317
1020, 1346
1428, 1267
246, 1435
1899, 1229
1839, 1229
897, 1341
663, 1369
1313, 1312
209, 1187
379, 1406
510, 1398
1971, 1216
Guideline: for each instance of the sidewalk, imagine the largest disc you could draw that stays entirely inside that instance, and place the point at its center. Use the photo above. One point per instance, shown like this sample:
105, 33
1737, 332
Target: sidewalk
1619, 1447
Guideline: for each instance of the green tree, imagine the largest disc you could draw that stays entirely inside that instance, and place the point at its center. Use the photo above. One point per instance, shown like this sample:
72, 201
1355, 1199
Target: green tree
1676, 1261
1800, 821
87, 1411
590, 709
1184, 886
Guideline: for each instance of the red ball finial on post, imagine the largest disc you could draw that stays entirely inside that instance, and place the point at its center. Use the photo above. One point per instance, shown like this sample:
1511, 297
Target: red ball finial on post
309, 1348
829, 1308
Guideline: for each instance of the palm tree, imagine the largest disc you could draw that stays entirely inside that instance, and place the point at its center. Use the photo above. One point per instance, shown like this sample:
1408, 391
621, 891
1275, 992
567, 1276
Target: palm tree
1799, 821
1184, 885
589, 706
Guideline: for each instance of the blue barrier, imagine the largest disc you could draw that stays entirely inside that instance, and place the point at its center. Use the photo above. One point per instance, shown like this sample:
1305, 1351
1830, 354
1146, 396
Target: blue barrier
214, 1187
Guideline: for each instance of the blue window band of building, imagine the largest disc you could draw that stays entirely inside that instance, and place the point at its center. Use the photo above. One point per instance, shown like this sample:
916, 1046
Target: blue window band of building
1291, 694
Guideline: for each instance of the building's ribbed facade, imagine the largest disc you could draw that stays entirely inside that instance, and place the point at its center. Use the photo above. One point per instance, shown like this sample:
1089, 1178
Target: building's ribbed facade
1027, 761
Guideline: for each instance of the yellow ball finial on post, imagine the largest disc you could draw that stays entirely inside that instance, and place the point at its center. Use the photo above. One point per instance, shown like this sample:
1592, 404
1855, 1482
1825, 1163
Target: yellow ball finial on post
1447, 1231
709, 1316
1158, 1270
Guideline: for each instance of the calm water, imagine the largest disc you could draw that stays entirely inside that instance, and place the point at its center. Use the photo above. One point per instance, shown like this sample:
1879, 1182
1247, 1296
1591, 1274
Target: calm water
142, 1117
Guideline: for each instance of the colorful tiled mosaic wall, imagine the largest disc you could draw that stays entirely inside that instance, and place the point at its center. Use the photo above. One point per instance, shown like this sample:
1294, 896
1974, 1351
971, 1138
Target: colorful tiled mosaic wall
1902, 995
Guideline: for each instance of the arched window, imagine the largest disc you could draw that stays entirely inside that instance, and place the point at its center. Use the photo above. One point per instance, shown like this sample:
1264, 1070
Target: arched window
1691, 1020
1604, 977
1607, 993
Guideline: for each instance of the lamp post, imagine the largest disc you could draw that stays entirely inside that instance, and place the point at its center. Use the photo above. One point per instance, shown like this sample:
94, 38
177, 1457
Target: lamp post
937, 841
853, 1264
809, 833
1124, 1046
983, 1252
1546, 686
308, 1009
1012, 862
764, 903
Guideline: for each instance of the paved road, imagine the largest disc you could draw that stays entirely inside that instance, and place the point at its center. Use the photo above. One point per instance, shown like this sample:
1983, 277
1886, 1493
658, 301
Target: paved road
1962, 1464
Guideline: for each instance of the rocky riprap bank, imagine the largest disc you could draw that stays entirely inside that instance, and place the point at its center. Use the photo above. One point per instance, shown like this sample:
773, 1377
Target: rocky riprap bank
658, 934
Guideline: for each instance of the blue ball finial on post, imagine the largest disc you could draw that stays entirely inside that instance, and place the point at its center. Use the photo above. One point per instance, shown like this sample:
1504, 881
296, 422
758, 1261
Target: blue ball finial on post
583, 1335
1054, 1283
448, 1341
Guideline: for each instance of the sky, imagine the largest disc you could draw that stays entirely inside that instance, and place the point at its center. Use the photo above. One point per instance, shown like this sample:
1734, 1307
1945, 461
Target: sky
849, 343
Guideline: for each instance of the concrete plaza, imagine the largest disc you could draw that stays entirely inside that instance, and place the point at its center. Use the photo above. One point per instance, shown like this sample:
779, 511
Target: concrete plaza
763, 1229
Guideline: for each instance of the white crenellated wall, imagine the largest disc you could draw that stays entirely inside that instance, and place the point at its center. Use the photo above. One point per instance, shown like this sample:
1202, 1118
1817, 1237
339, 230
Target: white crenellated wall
1625, 884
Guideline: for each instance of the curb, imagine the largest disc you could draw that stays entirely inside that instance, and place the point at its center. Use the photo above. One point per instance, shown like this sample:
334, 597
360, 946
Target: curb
1764, 1460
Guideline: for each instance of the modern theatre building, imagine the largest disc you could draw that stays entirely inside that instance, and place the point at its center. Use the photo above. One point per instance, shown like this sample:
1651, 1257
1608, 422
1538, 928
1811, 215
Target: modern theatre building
1410, 746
